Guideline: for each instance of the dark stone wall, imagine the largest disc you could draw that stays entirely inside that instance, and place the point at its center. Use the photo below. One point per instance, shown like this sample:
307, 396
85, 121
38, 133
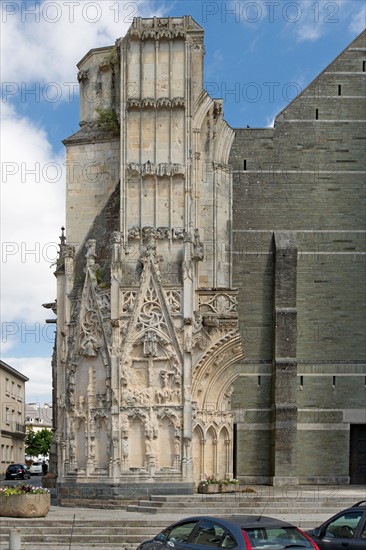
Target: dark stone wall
305, 176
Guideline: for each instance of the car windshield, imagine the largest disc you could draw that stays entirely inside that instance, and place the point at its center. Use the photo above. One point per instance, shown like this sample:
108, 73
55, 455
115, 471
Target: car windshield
277, 538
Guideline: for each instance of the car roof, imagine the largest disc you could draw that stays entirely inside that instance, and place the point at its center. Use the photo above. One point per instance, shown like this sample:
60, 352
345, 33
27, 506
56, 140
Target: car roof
244, 521
360, 504
254, 521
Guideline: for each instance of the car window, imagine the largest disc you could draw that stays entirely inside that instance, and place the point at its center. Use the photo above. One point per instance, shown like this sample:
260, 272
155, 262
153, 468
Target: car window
344, 526
209, 534
363, 532
277, 537
181, 532
228, 542
213, 535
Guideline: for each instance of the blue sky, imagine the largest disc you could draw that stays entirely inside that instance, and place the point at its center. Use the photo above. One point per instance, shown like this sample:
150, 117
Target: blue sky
259, 56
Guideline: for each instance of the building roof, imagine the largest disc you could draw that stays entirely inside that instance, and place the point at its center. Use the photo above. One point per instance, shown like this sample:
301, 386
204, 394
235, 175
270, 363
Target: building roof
361, 37
13, 371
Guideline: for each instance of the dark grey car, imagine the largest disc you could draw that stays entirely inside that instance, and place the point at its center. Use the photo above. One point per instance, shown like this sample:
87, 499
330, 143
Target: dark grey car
17, 471
344, 531
235, 532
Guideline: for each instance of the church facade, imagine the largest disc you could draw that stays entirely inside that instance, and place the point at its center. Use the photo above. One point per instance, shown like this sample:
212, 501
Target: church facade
209, 289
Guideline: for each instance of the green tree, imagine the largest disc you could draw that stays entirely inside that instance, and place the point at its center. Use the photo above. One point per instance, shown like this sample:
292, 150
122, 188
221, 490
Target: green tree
38, 443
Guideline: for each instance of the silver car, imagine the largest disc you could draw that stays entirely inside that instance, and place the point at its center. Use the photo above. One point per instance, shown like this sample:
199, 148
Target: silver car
36, 469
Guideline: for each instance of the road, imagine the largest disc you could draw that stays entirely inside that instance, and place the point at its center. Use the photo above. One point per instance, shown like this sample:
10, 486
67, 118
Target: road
36, 481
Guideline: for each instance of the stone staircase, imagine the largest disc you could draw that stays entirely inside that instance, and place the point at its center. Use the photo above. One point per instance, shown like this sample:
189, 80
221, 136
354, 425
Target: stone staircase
123, 529
305, 506
81, 534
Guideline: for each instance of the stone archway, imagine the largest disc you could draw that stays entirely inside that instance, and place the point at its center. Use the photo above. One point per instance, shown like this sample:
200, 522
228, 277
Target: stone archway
137, 454
224, 453
197, 453
167, 452
212, 386
210, 453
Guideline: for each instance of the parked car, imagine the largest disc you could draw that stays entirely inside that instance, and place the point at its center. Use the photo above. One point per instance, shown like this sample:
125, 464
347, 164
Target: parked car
36, 468
345, 530
17, 471
235, 532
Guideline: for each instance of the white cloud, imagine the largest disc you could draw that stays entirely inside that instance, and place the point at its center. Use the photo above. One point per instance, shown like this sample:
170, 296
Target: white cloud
45, 41
38, 370
32, 212
270, 120
303, 20
318, 19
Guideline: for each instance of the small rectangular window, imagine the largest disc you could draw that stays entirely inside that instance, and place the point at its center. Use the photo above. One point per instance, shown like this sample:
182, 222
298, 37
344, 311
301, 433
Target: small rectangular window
316, 114
339, 89
245, 165
363, 66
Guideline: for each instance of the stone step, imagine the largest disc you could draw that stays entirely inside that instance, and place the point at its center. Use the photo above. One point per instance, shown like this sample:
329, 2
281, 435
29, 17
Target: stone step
60, 543
29, 546
66, 546
35, 523
156, 504
230, 510
224, 503
92, 540
66, 532
142, 509
239, 504
251, 497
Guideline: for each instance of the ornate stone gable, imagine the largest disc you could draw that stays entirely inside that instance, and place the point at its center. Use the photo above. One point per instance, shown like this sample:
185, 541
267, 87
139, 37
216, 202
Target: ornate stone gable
150, 337
93, 330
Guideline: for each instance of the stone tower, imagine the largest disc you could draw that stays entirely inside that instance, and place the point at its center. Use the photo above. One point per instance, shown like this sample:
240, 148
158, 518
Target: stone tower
148, 336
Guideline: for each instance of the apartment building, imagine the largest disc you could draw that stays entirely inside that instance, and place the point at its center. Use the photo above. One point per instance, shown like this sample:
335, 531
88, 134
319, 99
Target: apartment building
12, 425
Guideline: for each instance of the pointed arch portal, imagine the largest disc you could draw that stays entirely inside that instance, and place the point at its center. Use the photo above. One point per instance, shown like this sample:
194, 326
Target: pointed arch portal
212, 387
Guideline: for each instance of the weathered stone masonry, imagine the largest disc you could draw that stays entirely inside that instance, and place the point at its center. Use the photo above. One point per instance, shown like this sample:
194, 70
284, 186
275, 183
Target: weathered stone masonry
211, 278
